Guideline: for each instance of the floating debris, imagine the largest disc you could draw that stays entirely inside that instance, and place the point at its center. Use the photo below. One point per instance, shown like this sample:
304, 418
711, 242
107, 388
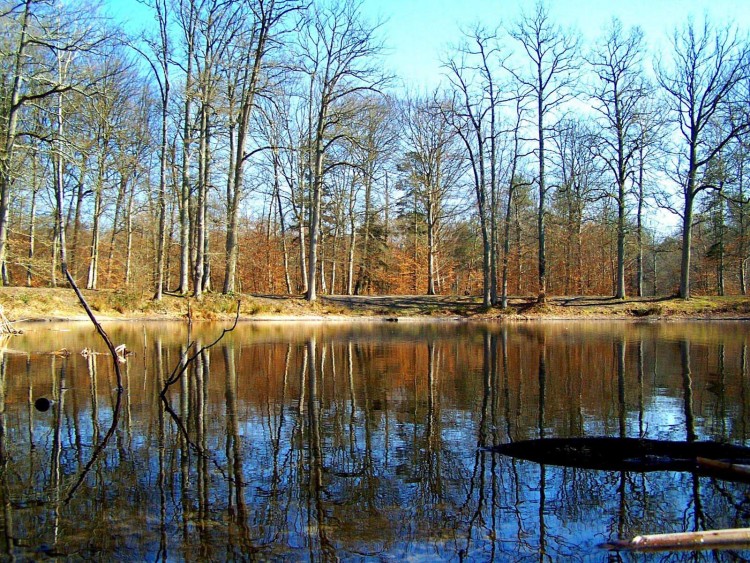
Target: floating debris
122, 353
43, 404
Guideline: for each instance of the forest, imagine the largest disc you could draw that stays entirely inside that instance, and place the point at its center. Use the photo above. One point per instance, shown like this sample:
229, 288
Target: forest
260, 146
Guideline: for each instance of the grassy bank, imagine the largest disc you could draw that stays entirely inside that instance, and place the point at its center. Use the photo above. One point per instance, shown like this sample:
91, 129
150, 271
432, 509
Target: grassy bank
61, 303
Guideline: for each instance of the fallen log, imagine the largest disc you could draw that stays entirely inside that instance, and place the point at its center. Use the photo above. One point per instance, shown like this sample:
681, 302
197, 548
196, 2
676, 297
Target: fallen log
624, 454
708, 539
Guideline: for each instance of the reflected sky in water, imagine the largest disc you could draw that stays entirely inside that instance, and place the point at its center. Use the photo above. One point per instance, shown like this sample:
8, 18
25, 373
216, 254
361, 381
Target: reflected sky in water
357, 441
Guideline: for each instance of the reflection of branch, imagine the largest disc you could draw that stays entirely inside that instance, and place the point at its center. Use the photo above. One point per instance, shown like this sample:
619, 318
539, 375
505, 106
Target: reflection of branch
116, 413
180, 368
99, 448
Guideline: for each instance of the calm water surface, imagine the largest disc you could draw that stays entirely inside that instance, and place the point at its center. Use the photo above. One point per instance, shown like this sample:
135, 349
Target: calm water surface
309, 442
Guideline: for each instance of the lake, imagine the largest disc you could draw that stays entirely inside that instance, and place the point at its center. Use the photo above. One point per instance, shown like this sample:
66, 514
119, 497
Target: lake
360, 441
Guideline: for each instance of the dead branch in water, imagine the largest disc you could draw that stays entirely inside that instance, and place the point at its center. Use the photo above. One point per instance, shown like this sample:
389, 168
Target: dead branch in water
116, 412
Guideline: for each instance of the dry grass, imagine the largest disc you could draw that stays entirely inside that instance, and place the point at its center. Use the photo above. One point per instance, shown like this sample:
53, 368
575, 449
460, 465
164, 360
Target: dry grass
60, 303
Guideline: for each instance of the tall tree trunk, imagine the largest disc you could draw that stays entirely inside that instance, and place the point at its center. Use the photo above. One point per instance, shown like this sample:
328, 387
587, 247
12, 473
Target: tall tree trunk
269, 262
59, 185
620, 292
93, 270
541, 212
315, 202
32, 224
55, 248
352, 242
430, 247
162, 76
187, 142
721, 286
506, 246
687, 229
364, 276
129, 234
639, 224
200, 209
162, 201
282, 222
122, 189
519, 249
246, 107
75, 209
334, 246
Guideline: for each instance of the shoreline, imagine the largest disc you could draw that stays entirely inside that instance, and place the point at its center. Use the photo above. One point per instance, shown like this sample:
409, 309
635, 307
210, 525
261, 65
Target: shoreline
40, 305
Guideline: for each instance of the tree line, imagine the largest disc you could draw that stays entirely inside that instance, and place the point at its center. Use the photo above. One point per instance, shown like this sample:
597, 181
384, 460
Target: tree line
259, 146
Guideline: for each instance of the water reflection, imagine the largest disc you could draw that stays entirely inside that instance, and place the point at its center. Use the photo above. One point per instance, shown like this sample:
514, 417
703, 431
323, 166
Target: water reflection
355, 441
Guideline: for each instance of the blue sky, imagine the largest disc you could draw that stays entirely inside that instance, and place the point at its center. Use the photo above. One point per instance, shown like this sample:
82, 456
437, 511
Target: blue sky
418, 32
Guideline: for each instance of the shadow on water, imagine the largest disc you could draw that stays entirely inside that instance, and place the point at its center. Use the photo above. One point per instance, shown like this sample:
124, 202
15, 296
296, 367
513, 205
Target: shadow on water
630, 454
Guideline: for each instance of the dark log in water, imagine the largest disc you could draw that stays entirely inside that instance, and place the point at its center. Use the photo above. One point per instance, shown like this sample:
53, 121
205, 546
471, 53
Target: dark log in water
624, 454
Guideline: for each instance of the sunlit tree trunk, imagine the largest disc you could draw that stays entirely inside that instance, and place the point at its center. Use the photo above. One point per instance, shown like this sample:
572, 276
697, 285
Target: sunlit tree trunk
32, 223
189, 29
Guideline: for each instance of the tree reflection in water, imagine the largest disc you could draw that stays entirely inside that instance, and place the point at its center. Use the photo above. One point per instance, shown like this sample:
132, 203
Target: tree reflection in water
326, 442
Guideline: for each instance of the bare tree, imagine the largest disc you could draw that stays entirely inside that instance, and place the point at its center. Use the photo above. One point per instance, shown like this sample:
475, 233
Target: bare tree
161, 49
515, 157
739, 209
216, 22
256, 38
373, 139
187, 20
40, 46
338, 51
474, 116
105, 114
648, 155
701, 85
618, 96
432, 164
579, 186
550, 76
